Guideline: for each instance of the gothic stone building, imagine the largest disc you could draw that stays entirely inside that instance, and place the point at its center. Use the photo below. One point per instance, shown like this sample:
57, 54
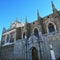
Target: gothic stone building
39, 40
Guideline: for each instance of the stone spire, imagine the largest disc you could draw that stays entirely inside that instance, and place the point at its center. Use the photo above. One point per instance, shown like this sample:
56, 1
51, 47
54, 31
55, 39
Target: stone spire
26, 20
38, 15
4, 30
55, 11
26, 26
53, 7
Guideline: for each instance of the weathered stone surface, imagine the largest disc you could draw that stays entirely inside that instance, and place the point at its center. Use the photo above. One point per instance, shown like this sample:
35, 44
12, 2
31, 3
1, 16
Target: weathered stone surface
7, 52
31, 46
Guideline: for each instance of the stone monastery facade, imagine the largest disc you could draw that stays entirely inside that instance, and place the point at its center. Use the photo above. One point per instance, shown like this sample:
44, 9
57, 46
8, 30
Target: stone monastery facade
39, 40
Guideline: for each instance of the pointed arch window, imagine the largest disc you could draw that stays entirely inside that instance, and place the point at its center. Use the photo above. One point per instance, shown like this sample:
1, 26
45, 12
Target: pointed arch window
12, 36
36, 32
7, 40
51, 27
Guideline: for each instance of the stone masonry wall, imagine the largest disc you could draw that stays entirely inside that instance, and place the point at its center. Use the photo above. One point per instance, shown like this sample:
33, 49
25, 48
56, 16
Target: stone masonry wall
7, 52
54, 40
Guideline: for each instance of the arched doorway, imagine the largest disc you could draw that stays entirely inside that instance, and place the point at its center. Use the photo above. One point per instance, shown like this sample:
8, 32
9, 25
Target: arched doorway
34, 54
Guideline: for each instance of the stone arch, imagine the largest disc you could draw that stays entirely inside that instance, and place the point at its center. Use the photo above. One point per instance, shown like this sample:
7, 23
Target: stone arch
51, 27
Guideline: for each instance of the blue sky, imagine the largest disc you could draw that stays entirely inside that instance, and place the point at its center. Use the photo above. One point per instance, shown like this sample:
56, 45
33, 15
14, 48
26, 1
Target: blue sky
10, 9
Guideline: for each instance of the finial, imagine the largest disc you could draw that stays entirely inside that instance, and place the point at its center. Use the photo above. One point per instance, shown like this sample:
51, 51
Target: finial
38, 16
26, 20
4, 29
16, 20
53, 6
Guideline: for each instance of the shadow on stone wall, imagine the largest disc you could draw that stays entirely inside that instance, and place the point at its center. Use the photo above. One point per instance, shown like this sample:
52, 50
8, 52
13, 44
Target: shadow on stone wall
58, 58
